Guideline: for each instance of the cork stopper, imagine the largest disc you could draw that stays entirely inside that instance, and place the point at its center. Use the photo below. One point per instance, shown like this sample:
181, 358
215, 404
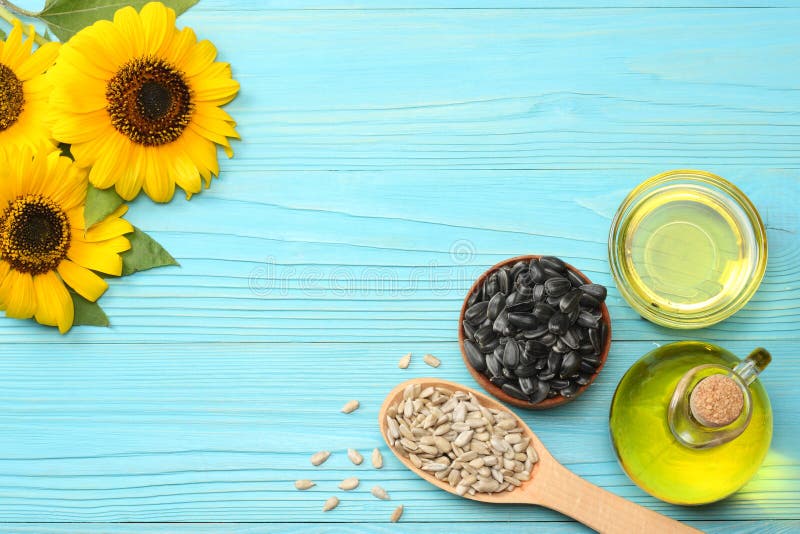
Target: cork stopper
716, 401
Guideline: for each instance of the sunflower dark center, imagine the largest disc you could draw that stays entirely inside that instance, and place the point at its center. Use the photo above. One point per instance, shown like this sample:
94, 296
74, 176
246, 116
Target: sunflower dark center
149, 101
34, 234
12, 98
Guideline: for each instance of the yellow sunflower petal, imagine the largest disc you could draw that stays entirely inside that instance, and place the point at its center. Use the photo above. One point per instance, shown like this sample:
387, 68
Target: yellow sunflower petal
15, 49
54, 304
128, 22
107, 229
95, 256
83, 281
20, 298
159, 22
38, 62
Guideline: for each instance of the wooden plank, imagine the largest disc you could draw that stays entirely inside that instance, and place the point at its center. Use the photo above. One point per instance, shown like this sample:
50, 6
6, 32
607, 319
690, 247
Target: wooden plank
219, 432
555, 527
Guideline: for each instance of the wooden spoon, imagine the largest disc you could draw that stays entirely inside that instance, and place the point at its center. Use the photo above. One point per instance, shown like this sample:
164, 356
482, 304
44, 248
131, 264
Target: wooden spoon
551, 484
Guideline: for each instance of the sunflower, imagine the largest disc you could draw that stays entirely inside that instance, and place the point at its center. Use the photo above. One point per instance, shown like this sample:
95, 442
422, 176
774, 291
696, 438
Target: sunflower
43, 240
24, 90
139, 101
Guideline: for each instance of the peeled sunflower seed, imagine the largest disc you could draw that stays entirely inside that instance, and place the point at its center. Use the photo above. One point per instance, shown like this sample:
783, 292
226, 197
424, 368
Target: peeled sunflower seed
351, 406
330, 504
377, 459
303, 484
404, 361
431, 360
349, 484
397, 513
355, 456
319, 457
379, 493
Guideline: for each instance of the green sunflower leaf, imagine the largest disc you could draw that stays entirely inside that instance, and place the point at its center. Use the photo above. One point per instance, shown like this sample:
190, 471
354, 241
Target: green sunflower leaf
2, 35
100, 203
67, 17
87, 313
145, 253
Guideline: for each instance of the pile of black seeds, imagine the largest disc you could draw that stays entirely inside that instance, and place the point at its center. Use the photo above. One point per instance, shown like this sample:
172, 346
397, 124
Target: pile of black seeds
535, 329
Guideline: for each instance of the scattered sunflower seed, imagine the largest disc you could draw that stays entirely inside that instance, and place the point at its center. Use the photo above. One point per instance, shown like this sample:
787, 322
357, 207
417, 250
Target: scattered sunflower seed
404, 361
303, 484
330, 504
397, 513
351, 406
431, 360
355, 456
319, 457
379, 493
349, 484
377, 459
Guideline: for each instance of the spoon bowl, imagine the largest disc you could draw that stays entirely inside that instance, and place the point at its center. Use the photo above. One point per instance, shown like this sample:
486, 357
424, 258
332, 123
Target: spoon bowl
550, 485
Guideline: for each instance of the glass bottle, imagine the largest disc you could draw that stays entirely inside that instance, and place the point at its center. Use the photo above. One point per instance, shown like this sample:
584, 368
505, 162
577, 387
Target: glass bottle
691, 423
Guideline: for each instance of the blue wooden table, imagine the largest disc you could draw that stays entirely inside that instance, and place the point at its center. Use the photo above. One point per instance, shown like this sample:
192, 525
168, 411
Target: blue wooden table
391, 152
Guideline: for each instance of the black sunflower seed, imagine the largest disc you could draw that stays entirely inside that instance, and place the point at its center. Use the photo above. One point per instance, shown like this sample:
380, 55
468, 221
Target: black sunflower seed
484, 334
558, 324
595, 290
492, 286
501, 323
569, 391
570, 302
551, 273
526, 384
518, 268
474, 356
551, 262
536, 349
540, 391
543, 311
549, 338
558, 383
572, 338
588, 319
524, 371
594, 361
514, 391
511, 355
583, 379
523, 320
595, 339
496, 304
556, 286
520, 305
489, 346
494, 366
476, 313
525, 292
523, 280
509, 375
498, 381
538, 292
560, 347
570, 364
537, 332
575, 279
469, 330
553, 301
502, 280
536, 272
586, 349
589, 302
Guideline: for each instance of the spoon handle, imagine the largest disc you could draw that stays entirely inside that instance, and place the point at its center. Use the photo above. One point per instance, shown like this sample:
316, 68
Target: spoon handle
566, 492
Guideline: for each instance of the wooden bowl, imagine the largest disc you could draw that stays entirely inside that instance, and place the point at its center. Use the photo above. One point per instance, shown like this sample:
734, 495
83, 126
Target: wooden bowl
484, 381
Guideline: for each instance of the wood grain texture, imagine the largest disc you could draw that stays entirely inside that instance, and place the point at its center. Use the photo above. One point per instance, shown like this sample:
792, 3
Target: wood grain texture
391, 152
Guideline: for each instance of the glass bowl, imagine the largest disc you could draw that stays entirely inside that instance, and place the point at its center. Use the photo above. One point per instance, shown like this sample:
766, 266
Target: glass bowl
687, 249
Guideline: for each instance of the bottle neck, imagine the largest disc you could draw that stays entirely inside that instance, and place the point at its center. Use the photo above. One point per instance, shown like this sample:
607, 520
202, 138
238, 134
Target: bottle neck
712, 403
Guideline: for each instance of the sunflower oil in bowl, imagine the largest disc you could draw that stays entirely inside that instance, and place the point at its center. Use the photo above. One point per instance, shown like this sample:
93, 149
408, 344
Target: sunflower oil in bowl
687, 249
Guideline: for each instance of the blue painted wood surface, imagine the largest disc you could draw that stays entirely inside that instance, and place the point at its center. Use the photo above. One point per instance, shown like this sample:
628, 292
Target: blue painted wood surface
391, 152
